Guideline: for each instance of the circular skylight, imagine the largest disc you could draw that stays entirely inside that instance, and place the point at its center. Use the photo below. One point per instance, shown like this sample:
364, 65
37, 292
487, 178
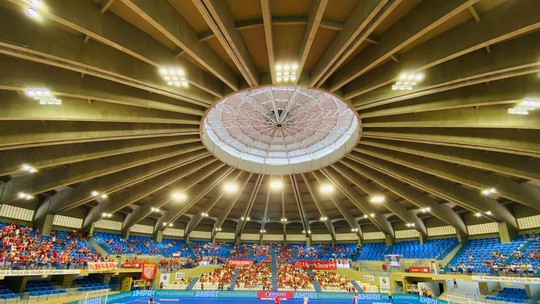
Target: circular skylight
280, 130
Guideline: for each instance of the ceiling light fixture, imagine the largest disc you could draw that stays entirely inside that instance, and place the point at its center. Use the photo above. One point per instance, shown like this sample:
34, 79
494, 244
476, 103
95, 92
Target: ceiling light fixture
94, 193
174, 77
354, 229
24, 195
377, 199
231, 187
410, 224
489, 191
524, 107
218, 229
107, 215
283, 219
178, 196
478, 214
170, 224
155, 209
372, 214
104, 196
323, 218
489, 212
407, 81
276, 185
286, 72
28, 168
327, 188
43, 96
365, 216
424, 210
204, 214
263, 231
32, 12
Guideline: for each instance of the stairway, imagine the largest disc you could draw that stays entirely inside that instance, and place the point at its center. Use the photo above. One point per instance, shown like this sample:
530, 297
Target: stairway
358, 288
523, 249
192, 284
315, 283
91, 243
234, 278
274, 269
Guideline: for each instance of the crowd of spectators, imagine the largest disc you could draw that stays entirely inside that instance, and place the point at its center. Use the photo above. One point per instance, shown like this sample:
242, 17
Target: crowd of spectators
291, 278
175, 264
257, 276
219, 279
24, 246
331, 281
115, 243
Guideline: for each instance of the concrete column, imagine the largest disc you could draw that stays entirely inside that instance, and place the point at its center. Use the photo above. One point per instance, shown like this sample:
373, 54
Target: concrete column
44, 223
423, 238
462, 236
125, 233
389, 240
506, 232
308, 241
158, 236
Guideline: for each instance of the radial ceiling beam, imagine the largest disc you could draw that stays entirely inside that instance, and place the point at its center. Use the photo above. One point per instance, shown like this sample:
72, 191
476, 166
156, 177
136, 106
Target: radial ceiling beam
508, 91
31, 41
526, 194
300, 204
109, 29
344, 212
267, 25
469, 199
19, 75
188, 182
201, 191
162, 15
509, 59
51, 156
420, 20
317, 200
231, 202
362, 203
314, 20
442, 212
497, 25
197, 218
520, 142
249, 205
359, 19
217, 15
114, 182
493, 117
58, 177
519, 166
126, 198
22, 108
399, 210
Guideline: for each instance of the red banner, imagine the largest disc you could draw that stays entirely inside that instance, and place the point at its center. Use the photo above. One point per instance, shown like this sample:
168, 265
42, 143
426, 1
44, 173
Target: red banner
149, 271
274, 294
240, 263
101, 266
132, 265
419, 269
315, 265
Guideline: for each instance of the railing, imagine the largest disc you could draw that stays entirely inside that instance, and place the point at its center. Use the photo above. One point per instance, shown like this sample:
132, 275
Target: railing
25, 297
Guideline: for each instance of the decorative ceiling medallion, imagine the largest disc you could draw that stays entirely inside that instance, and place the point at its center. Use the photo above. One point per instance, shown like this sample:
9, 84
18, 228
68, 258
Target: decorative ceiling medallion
280, 130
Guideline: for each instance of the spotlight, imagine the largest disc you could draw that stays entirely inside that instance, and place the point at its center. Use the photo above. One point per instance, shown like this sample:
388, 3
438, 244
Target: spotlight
231, 187
28, 168
94, 193
489, 191
377, 199
204, 214
283, 219
104, 196
43, 96
354, 229
478, 214
489, 212
365, 216
170, 225
276, 185
327, 188
372, 214
25, 196
323, 218
218, 229
32, 12
263, 231
178, 196
286, 72
174, 77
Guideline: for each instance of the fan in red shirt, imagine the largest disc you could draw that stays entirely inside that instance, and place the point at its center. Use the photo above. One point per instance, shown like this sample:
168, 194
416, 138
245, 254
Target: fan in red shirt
278, 300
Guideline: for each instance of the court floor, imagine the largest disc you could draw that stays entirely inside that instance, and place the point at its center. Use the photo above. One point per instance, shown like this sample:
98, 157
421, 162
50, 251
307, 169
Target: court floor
240, 301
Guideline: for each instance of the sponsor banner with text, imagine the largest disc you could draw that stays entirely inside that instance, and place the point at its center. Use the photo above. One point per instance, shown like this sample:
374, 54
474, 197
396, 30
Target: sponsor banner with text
131, 265
275, 294
38, 272
101, 266
315, 265
240, 263
507, 279
419, 269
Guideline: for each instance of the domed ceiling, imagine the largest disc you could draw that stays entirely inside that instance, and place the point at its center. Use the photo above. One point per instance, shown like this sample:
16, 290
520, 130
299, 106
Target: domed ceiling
214, 115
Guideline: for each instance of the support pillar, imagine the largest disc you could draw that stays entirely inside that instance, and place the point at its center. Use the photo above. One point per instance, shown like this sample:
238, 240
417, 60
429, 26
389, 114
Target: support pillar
158, 236
389, 240
44, 223
423, 238
308, 241
506, 232
125, 233
462, 236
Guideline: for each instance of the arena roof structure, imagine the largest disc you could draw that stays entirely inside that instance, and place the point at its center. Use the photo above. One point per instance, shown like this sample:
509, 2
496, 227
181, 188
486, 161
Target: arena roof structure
272, 116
